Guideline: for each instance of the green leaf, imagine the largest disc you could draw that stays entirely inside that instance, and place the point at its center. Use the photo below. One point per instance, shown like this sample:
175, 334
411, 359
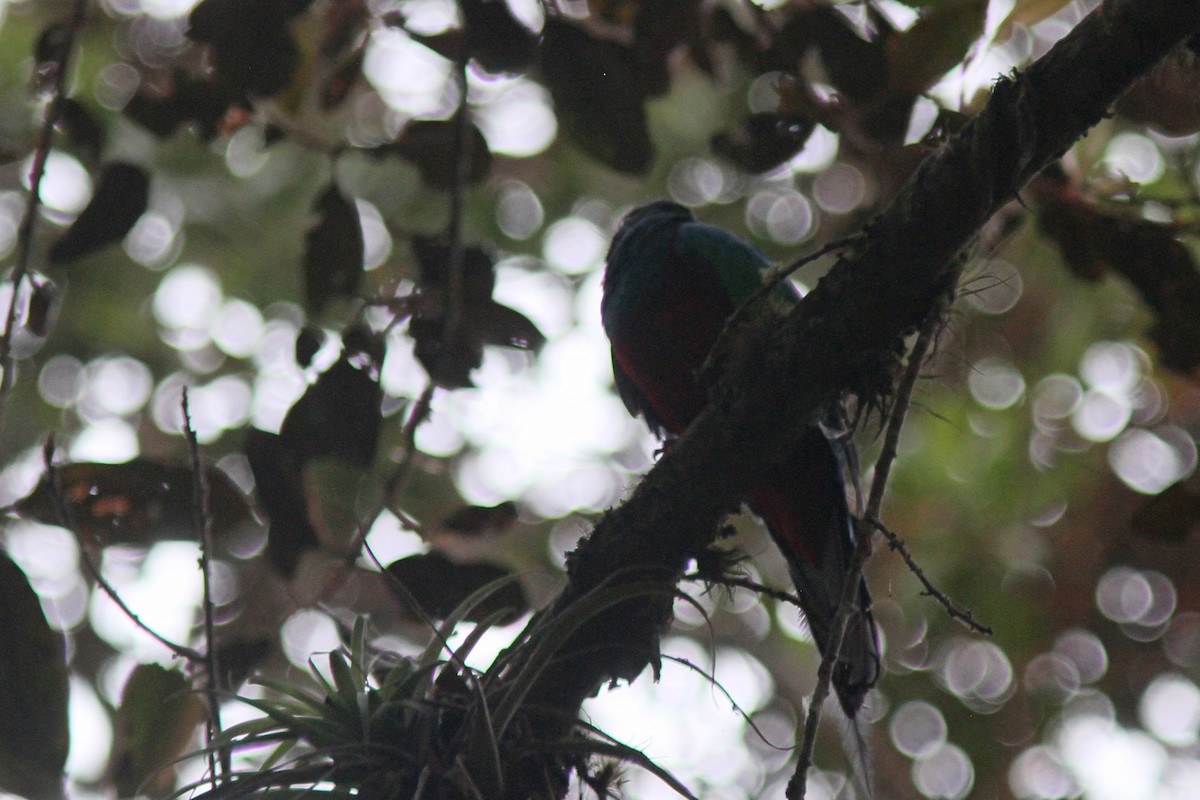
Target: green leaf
154, 724
934, 45
34, 736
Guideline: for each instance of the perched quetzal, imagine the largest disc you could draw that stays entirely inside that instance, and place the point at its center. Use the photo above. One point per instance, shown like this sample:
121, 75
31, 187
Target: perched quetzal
669, 287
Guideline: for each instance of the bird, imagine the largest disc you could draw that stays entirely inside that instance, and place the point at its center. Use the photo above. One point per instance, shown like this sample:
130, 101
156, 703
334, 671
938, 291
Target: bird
670, 285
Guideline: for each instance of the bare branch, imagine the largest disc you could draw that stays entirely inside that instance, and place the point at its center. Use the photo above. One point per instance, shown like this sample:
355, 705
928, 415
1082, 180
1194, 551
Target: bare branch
848, 606
963, 615
203, 526
37, 171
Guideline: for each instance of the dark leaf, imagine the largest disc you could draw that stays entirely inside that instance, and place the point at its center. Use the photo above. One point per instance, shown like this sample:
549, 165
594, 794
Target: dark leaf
238, 659
337, 87
433, 256
886, 119
935, 44
253, 52
279, 488
791, 43
139, 502
81, 128
448, 43
430, 145
495, 39
185, 100
440, 585
502, 326
448, 356
333, 260
339, 415
1170, 515
153, 726
1167, 98
1093, 240
481, 520
308, 342
658, 29
51, 47
764, 141
598, 96
359, 342
42, 311
122, 193
34, 736
856, 67
448, 359
345, 25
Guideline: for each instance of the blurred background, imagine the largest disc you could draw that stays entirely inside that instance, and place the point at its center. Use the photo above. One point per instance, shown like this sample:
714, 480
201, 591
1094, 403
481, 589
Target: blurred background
259, 201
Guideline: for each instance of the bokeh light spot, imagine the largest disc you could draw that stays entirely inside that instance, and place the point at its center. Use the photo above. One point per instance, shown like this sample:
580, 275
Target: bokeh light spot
1146, 463
1127, 595
60, 380
997, 290
945, 774
840, 189
1110, 366
1056, 397
917, 729
1100, 416
189, 296
66, 186
237, 328
1086, 652
1039, 774
574, 245
1135, 156
995, 383
1170, 709
519, 121
519, 212
978, 673
119, 385
306, 632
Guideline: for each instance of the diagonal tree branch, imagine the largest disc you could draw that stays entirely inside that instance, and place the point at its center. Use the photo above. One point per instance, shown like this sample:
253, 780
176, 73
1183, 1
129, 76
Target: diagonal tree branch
846, 336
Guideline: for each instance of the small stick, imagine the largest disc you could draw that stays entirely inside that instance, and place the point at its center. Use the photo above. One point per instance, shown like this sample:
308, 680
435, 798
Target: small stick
798, 784
37, 171
203, 525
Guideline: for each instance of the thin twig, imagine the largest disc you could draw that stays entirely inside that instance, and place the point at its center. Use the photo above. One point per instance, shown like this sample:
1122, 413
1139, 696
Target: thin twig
797, 786
203, 523
418, 414
66, 520
410, 599
746, 583
41, 155
963, 615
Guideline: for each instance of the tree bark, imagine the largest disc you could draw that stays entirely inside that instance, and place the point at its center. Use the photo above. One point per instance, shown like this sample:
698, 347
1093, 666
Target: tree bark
847, 336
